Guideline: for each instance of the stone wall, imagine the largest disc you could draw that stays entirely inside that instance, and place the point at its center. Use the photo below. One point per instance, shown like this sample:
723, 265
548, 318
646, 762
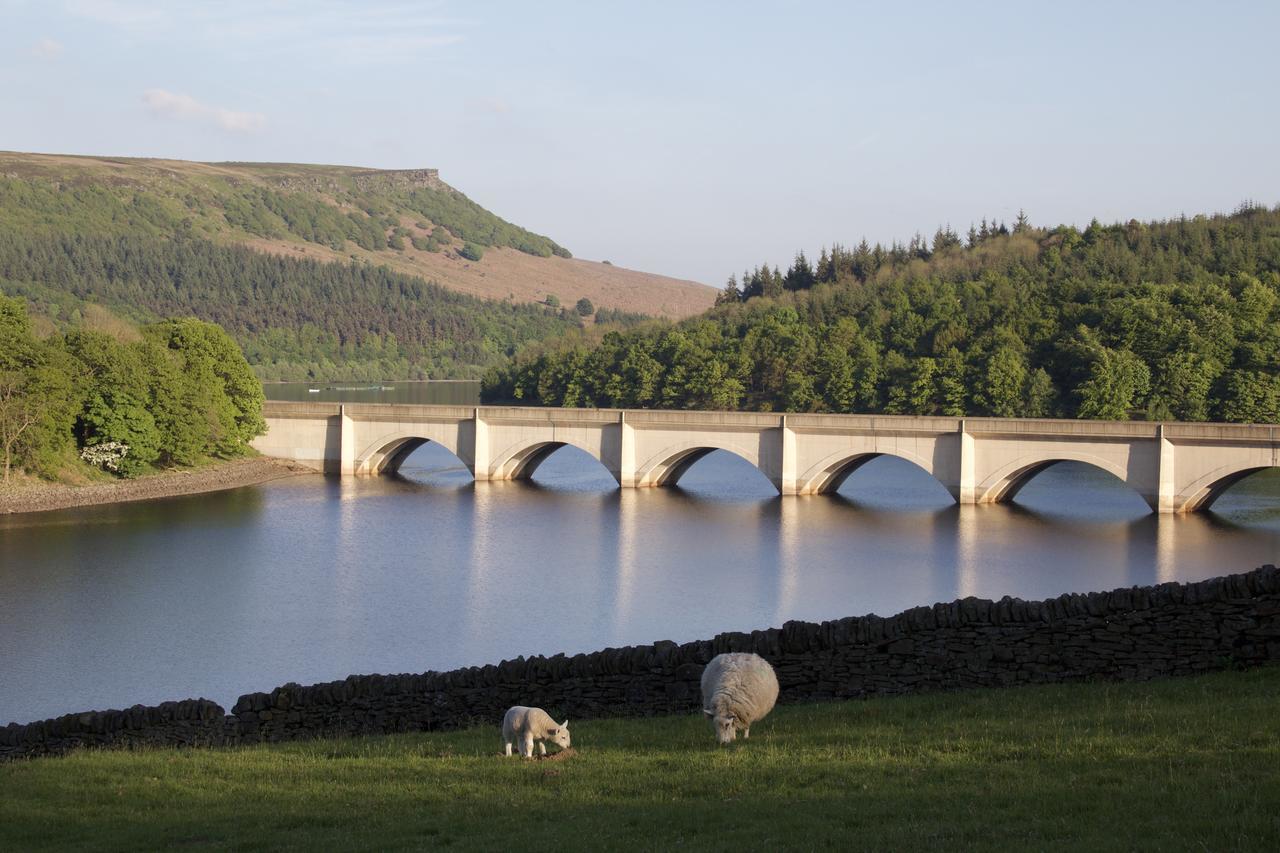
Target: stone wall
1126, 634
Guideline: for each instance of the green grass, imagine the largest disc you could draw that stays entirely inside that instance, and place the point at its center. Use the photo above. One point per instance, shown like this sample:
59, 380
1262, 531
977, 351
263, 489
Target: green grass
1187, 764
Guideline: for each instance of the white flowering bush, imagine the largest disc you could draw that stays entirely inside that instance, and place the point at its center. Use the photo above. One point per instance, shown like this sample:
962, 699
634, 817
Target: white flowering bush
106, 455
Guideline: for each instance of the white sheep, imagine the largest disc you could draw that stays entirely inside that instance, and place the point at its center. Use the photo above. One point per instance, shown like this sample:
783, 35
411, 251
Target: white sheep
738, 689
532, 724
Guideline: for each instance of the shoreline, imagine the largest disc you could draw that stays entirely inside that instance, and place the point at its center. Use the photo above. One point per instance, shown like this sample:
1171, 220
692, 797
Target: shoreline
217, 477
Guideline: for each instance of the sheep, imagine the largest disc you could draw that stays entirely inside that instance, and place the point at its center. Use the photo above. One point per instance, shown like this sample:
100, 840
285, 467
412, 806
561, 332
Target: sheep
738, 689
530, 724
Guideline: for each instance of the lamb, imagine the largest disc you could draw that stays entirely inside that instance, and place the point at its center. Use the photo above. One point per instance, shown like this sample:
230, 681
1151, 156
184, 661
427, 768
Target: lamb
738, 689
532, 724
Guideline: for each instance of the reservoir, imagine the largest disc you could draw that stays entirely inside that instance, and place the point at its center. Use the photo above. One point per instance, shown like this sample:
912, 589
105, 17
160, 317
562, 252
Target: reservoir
312, 579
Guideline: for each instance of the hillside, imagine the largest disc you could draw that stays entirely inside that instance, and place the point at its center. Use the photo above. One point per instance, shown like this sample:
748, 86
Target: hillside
1177, 319
294, 319
408, 220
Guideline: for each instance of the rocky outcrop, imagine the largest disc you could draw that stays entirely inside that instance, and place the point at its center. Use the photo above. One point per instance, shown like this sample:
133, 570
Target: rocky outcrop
366, 181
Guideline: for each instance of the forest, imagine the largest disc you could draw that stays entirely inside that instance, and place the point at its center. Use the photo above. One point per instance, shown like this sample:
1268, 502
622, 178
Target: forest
1176, 319
294, 319
173, 393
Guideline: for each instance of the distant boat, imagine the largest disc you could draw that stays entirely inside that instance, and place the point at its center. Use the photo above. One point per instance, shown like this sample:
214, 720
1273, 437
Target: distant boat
313, 390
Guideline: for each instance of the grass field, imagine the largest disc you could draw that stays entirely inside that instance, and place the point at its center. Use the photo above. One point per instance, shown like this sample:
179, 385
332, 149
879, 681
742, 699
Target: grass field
1187, 764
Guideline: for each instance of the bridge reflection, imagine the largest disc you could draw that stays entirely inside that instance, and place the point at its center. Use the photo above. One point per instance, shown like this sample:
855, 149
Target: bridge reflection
891, 534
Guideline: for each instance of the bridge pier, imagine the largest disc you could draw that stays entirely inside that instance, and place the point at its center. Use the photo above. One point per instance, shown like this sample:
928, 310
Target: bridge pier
625, 470
1165, 498
786, 484
476, 455
965, 488
1175, 467
347, 453
779, 461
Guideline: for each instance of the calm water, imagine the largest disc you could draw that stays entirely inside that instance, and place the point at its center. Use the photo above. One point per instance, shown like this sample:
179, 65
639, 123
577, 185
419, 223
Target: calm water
439, 393
313, 579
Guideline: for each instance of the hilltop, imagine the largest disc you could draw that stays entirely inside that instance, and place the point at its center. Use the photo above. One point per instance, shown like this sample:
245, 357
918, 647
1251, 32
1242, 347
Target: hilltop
318, 272
408, 220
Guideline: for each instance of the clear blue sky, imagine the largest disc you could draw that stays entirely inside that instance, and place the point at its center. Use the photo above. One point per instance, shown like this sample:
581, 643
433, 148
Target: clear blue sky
688, 139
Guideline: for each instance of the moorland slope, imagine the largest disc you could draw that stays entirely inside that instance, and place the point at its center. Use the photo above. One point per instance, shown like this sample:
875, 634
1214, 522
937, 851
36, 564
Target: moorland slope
408, 220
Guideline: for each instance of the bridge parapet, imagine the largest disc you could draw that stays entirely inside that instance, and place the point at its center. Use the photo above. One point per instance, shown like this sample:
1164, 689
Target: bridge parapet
290, 409
1176, 467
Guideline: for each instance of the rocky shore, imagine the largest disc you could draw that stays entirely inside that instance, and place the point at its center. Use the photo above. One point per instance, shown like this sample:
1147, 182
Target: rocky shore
41, 497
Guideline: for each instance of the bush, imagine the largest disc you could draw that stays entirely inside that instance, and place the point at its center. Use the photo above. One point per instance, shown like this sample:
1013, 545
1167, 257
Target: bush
471, 251
584, 307
107, 455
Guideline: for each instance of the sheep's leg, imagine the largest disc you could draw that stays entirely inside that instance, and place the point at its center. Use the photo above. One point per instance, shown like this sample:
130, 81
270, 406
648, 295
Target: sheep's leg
526, 745
542, 748
746, 733
508, 745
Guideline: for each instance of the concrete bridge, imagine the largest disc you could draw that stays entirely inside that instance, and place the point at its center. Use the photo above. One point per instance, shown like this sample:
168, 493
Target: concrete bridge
1176, 467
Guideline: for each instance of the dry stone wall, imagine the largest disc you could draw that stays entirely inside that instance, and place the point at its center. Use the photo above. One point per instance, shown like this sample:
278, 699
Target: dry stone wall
1127, 634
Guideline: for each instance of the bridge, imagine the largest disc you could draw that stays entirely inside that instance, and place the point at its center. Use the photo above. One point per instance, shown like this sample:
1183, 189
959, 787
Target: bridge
1175, 467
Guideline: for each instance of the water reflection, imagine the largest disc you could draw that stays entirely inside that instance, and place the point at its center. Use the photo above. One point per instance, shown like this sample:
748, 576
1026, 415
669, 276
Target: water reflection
789, 557
968, 551
628, 559
314, 579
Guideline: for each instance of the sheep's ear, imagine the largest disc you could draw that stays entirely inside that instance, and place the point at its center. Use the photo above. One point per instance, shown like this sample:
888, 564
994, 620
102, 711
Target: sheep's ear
707, 712
565, 724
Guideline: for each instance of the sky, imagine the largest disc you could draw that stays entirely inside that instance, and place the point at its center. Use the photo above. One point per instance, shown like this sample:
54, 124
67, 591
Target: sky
690, 139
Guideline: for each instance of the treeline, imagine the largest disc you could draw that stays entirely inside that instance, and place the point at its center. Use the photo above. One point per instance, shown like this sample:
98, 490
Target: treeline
616, 316
294, 319
179, 393
1163, 320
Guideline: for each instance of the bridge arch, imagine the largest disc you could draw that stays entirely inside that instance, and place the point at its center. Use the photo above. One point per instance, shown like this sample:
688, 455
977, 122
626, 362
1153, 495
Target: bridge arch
520, 460
1004, 483
828, 475
666, 467
1203, 492
387, 452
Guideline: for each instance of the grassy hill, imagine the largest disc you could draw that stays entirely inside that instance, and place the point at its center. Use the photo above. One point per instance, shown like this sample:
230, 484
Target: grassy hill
319, 272
1183, 764
408, 220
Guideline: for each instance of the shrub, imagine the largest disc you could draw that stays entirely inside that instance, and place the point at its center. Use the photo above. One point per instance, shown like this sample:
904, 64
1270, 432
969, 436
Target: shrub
107, 455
